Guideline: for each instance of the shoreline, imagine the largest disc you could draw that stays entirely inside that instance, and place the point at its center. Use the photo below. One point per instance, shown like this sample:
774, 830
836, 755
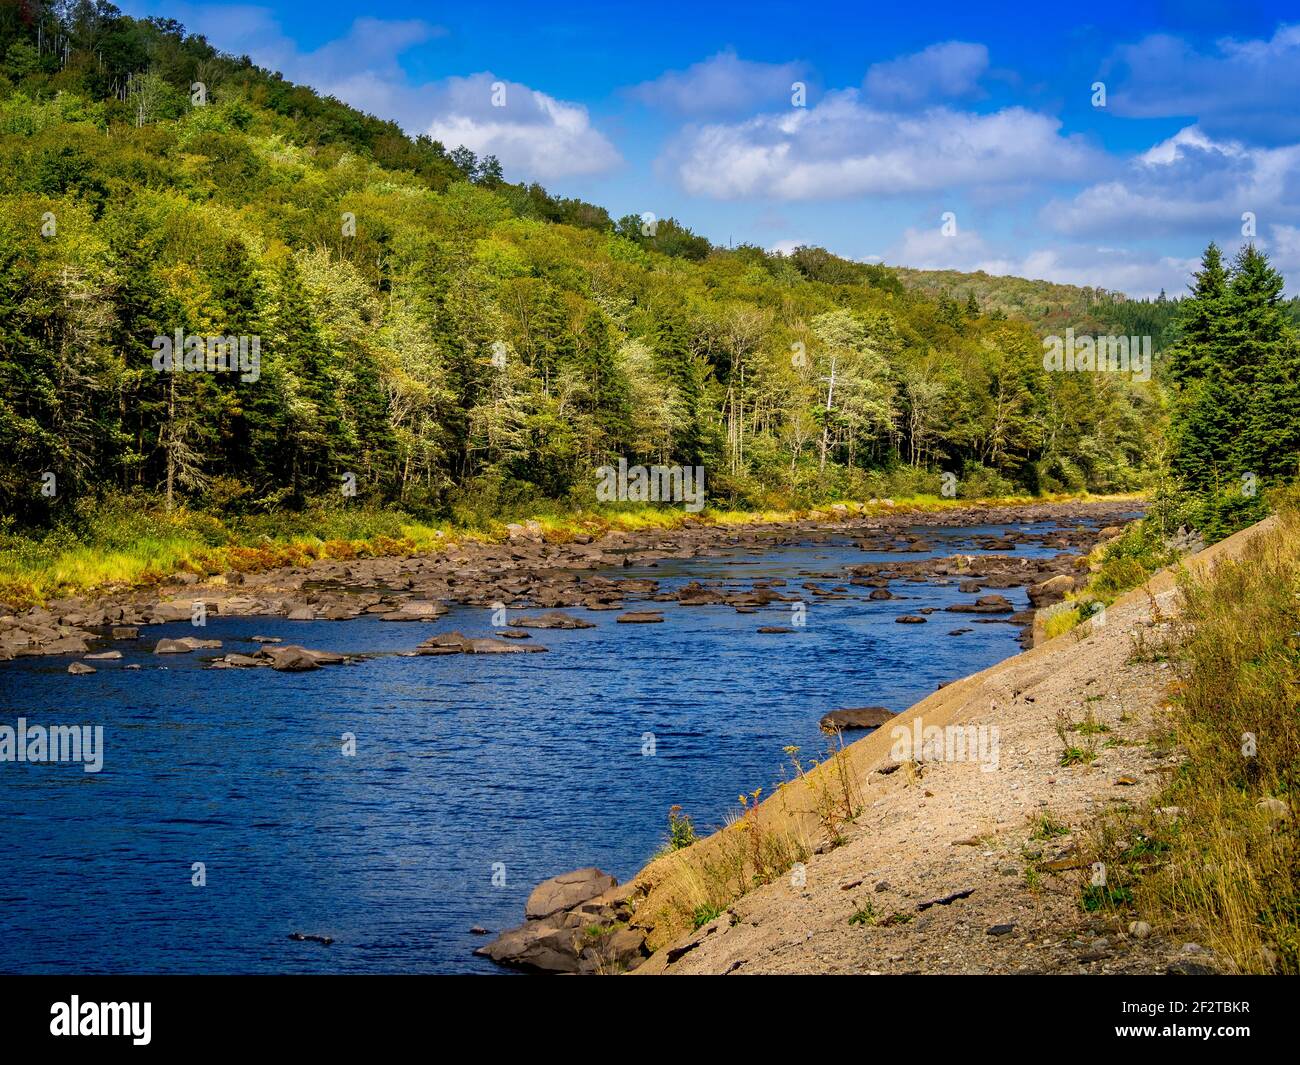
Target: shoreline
947, 868
81, 570
525, 570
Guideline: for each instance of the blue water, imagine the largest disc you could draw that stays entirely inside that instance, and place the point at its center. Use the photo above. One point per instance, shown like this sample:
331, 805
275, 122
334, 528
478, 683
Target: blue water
533, 763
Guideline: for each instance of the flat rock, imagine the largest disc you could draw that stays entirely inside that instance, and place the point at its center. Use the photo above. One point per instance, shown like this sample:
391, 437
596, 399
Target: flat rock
183, 646
555, 619
856, 718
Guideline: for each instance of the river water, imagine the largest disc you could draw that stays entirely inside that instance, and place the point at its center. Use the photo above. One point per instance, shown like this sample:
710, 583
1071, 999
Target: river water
522, 766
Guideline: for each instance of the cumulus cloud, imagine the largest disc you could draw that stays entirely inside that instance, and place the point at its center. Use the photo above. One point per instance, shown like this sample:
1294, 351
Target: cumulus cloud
1242, 88
723, 83
942, 71
531, 133
1187, 184
844, 147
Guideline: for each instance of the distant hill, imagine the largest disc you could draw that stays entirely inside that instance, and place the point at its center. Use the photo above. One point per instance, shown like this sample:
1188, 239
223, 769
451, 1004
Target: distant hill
1050, 307
412, 324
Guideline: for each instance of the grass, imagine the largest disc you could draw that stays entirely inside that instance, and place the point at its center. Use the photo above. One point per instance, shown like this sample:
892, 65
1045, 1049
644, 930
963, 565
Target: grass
133, 541
1117, 567
1061, 622
681, 831
764, 840
1047, 826
1216, 857
864, 916
1073, 753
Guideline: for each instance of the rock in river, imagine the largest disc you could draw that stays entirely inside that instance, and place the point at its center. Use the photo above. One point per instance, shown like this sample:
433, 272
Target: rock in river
856, 717
576, 923
555, 619
456, 643
183, 646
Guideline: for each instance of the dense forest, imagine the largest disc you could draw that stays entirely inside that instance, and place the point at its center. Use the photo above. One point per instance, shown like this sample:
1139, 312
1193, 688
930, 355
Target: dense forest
441, 334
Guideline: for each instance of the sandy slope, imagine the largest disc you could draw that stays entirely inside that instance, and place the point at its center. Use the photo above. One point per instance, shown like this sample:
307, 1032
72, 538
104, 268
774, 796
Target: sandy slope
959, 827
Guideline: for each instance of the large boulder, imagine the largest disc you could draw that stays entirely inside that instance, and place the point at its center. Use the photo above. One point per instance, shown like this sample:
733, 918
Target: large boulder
65, 645
587, 933
416, 610
542, 946
455, 643
566, 891
855, 718
1050, 591
290, 658
171, 611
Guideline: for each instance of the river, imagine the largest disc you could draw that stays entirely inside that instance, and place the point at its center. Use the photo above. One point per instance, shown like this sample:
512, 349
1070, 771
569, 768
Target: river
474, 777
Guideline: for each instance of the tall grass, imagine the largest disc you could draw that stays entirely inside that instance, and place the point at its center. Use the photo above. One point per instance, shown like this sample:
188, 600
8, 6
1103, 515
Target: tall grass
1218, 855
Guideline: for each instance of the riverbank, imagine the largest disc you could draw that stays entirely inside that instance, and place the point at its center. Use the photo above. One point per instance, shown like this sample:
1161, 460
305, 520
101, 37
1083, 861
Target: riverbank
128, 545
967, 865
534, 566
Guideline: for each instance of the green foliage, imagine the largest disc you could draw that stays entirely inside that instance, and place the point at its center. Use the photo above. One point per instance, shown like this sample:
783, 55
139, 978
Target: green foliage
1235, 429
681, 829
1129, 560
452, 340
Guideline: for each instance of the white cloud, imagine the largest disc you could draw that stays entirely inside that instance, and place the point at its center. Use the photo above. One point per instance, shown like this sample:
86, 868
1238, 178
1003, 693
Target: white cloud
785, 247
532, 134
1283, 247
843, 147
1187, 184
720, 84
536, 136
942, 71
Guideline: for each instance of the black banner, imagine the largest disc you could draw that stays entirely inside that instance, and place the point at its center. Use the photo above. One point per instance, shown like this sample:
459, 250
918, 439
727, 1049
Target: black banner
142, 1013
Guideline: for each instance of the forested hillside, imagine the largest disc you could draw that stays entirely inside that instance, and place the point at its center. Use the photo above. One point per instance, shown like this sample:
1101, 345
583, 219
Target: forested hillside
1050, 307
444, 335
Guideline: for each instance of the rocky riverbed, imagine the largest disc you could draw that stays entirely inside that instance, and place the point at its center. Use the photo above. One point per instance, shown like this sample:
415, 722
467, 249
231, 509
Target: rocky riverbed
526, 572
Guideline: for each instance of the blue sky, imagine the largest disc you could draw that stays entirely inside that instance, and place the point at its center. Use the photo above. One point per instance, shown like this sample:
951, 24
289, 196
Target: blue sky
982, 110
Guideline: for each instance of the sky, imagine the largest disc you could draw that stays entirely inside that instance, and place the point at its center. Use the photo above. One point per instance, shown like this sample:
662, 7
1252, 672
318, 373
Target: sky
1091, 143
